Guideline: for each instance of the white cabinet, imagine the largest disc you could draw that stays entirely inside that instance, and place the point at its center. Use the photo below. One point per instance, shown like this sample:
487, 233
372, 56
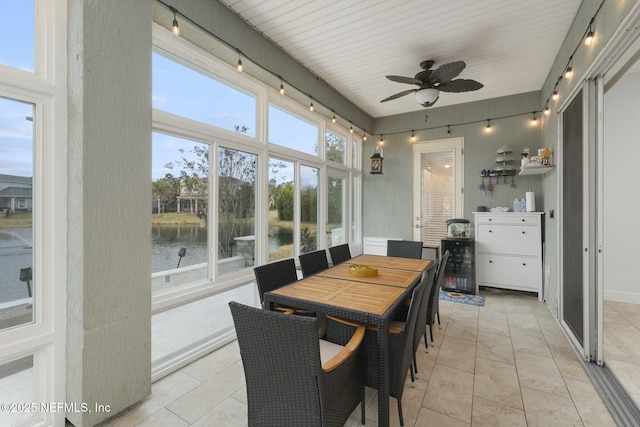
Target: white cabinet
376, 245
509, 250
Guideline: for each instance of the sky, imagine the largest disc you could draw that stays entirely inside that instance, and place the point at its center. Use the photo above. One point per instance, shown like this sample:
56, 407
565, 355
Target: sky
16, 50
176, 89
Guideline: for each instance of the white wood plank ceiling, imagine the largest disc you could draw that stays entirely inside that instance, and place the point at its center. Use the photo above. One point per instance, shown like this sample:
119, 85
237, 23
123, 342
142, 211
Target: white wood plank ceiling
508, 45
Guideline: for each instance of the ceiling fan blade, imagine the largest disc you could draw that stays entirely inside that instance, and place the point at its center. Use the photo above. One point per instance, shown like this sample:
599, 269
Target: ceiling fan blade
398, 95
446, 72
460, 85
401, 79
423, 77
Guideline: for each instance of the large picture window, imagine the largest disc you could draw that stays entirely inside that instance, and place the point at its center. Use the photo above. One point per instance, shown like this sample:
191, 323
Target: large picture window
191, 92
288, 130
233, 186
17, 278
18, 35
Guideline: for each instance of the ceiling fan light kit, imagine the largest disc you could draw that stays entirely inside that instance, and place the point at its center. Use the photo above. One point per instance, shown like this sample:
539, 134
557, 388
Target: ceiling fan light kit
432, 82
427, 97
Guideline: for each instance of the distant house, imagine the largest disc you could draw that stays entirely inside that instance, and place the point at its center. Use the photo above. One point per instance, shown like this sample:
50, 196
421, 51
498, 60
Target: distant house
16, 193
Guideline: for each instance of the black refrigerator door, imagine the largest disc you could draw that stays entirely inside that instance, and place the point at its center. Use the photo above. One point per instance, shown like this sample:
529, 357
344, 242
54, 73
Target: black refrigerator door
459, 273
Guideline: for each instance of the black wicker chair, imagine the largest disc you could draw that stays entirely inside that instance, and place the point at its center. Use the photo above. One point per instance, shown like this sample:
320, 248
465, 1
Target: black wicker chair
421, 322
404, 249
313, 262
339, 254
275, 275
434, 298
288, 381
400, 347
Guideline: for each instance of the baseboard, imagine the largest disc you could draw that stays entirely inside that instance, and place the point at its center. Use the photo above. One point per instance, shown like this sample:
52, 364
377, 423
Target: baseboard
622, 296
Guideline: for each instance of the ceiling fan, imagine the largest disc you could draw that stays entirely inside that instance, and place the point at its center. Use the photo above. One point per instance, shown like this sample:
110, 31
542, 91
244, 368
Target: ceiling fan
431, 82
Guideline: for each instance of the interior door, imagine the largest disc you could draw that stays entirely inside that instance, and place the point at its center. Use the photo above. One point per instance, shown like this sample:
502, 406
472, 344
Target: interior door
337, 207
437, 188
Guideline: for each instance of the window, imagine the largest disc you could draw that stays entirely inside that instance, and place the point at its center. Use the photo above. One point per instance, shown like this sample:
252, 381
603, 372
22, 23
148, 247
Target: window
237, 176
335, 146
185, 90
18, 34
180, 175
281, 195
309, 177
291, 131
17, 278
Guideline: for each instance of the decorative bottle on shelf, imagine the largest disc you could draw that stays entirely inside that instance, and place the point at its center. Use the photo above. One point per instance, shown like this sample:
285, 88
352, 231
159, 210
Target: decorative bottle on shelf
516, 205
523, 205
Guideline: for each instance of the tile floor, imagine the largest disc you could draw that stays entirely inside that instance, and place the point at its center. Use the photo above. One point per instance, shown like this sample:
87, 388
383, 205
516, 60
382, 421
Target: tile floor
504, 364
622, 344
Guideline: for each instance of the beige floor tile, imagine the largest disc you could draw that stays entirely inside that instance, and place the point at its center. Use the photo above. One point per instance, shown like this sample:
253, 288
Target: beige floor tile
570, 367
529, 341
493, 322
214, 363
495, 347
591, 408
522, 320
546, 409
429, 418
628, 374
463, 328
487, 413
229, 413
457, 353
540, 373
448, 385
163, 392
208, 395
497, 382
163, 418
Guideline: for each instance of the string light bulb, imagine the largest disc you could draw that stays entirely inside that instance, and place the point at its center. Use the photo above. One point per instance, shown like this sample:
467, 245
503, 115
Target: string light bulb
569, 71
547, 111
351, 129
534, 120
589, 38
239, 66
448, 129
281, 87
381, 142
311, 106
175, 29
413, 135
554, 95
364, 136
333, 119
488, 127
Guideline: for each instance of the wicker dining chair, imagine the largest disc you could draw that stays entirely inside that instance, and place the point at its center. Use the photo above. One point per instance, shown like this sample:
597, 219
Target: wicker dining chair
428, 276
292, 377
434, 298
275, 275
404, 249
401, 335
313, 262
340, 253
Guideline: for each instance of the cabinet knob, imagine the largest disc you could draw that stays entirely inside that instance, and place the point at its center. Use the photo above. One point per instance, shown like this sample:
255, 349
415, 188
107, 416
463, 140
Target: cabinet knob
490, 219
524, 263
490, 261
490, 231
524, 232
523, 220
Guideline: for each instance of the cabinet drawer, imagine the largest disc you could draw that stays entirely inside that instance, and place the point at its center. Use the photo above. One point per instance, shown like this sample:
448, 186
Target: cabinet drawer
512, 218
519, 272
508, 239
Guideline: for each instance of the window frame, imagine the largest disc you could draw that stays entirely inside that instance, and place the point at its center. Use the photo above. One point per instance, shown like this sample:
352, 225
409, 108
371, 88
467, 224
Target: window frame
171, 124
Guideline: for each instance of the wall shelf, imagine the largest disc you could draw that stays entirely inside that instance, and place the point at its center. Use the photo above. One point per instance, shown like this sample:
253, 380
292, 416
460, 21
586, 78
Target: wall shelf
535, 170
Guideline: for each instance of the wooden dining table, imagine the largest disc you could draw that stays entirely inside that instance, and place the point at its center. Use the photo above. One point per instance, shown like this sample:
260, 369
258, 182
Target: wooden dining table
367, 300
